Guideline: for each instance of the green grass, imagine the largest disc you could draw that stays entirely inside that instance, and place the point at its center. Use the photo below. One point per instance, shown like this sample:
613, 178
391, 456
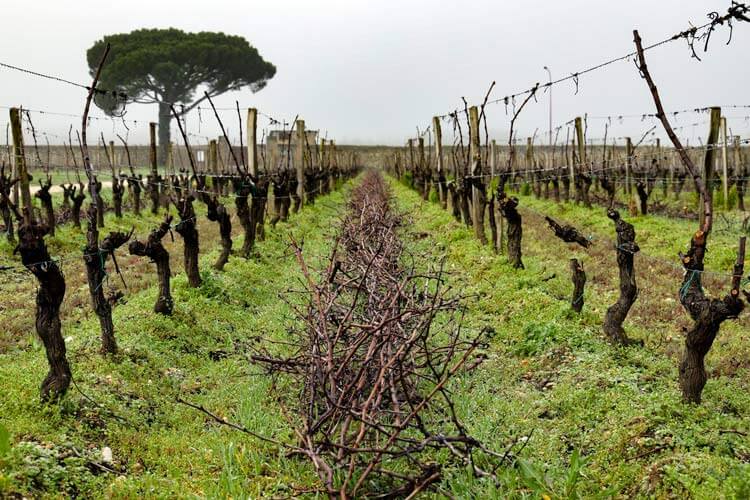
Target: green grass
583, 417
598, 418
162, 448
657, 235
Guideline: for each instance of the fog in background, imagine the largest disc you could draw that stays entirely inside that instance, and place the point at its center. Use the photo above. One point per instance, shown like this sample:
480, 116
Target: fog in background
372, 72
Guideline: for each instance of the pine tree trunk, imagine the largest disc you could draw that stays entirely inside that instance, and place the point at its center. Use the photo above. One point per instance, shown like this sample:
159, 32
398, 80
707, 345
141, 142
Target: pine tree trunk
165, 120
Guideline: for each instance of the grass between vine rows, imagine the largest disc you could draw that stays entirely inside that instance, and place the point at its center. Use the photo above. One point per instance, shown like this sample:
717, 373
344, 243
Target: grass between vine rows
587, 418
600, 419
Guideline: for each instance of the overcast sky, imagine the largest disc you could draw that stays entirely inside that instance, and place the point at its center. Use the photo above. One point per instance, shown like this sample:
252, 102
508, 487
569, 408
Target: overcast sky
371, 72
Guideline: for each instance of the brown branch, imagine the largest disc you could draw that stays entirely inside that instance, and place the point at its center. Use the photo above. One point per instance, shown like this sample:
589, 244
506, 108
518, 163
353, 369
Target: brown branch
662, 116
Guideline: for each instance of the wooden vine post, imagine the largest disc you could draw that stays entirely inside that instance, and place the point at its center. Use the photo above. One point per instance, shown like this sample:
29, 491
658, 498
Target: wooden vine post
478, 193
213, 166
739, 172
628, 167
440, 169
7, 183
153, 177
583, 181
569, 157
252, 141
660, 167
493, 206
112, 157
707, 314
725, 175
410, 167
424, 174
299, 163
493, 160
530, 173
706, 197
260, 193
21, 171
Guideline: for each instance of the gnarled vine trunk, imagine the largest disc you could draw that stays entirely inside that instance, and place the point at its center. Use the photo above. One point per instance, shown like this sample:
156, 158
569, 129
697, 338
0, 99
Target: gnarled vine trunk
75, 211
188, 229
578, 275
46, 199
95, 259
242, 190
217, 212
626, 249
154, 250
134, 183
50, 294
515, 229
708, 315
258, 208
117, 192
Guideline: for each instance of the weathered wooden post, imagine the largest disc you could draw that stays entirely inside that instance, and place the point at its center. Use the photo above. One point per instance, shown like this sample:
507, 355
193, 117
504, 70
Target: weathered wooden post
410, 167
152, 146
569, 156
493, 160
739, 170
581, 143
708, 163
153, 178
725, 176
299, 160
252, 141
477, 184
219, 154
213, 166
531, 168
19, 154
424, 176
113, 157
260, 196
333, 156
628, 166
437, 130
322, 153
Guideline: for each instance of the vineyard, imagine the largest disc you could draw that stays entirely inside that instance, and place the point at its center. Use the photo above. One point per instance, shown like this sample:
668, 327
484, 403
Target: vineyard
269, 313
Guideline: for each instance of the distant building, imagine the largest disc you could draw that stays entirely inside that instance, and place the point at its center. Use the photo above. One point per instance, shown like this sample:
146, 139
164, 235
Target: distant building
277, 143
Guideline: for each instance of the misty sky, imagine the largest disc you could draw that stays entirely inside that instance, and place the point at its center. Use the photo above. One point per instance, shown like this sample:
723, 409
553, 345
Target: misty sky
371, 72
